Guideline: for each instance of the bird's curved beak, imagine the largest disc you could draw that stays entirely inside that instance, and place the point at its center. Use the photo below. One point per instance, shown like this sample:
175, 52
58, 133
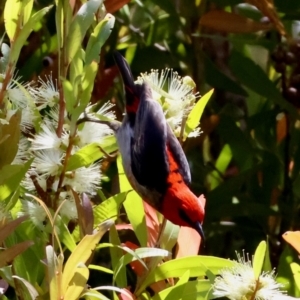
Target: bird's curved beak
199, 229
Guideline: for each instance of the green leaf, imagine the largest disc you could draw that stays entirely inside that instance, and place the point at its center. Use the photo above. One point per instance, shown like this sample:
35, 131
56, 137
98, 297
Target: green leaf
196, 113
169, 236
239, 142
100, 268
90, 72
180, 287
54, 273
10, 178
133, 206
11, 17
65, 236
81, 254
78, 283
76, 71
258, 259
116, 254
27, 8
219, 80
90, 153
296, 273
138, 254
98, 37
267, 266
9, 139
109, 208
94, 295
197, 265
196, 289
253, 76
221, 165
79, 26
33, 293
24, 33
69, 95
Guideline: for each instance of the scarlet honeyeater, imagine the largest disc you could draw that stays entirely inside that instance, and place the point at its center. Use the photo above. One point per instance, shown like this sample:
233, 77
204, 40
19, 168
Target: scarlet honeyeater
153, 159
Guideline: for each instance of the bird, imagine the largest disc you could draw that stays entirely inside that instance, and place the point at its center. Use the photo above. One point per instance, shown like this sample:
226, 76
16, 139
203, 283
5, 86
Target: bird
153, 159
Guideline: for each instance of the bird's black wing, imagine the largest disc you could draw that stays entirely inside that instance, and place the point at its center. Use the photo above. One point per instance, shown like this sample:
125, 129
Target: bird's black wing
148, 153
179, 156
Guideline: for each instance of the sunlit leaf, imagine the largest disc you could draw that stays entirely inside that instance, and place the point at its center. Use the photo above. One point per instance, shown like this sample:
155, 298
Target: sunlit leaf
198, 266
133, 206
27, 8
258, 259
24, 33
196, 113
79, 26
196, 289
94, 295
11, 13
30, 288
296, 273
92, 152
180, 286
124, 292
116, 253
54, 274
169, 236
69, 95
9, 139
101, 269
109, 208
77, 283
221, 165
139, 254
10, 178
98, 38
82, 253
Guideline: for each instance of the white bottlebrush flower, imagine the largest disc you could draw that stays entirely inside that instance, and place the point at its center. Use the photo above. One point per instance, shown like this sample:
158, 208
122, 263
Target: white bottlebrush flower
28, 183
68, 209
17, 97
28, 118
92, 132
46, 138
85, 179
239, 283
106, 111
46, 94
173, 92
23, 152
47, 162
35, 212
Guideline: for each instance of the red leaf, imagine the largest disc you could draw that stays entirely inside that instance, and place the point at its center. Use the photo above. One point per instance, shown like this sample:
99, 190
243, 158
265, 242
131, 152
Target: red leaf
223, 21
114, 5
